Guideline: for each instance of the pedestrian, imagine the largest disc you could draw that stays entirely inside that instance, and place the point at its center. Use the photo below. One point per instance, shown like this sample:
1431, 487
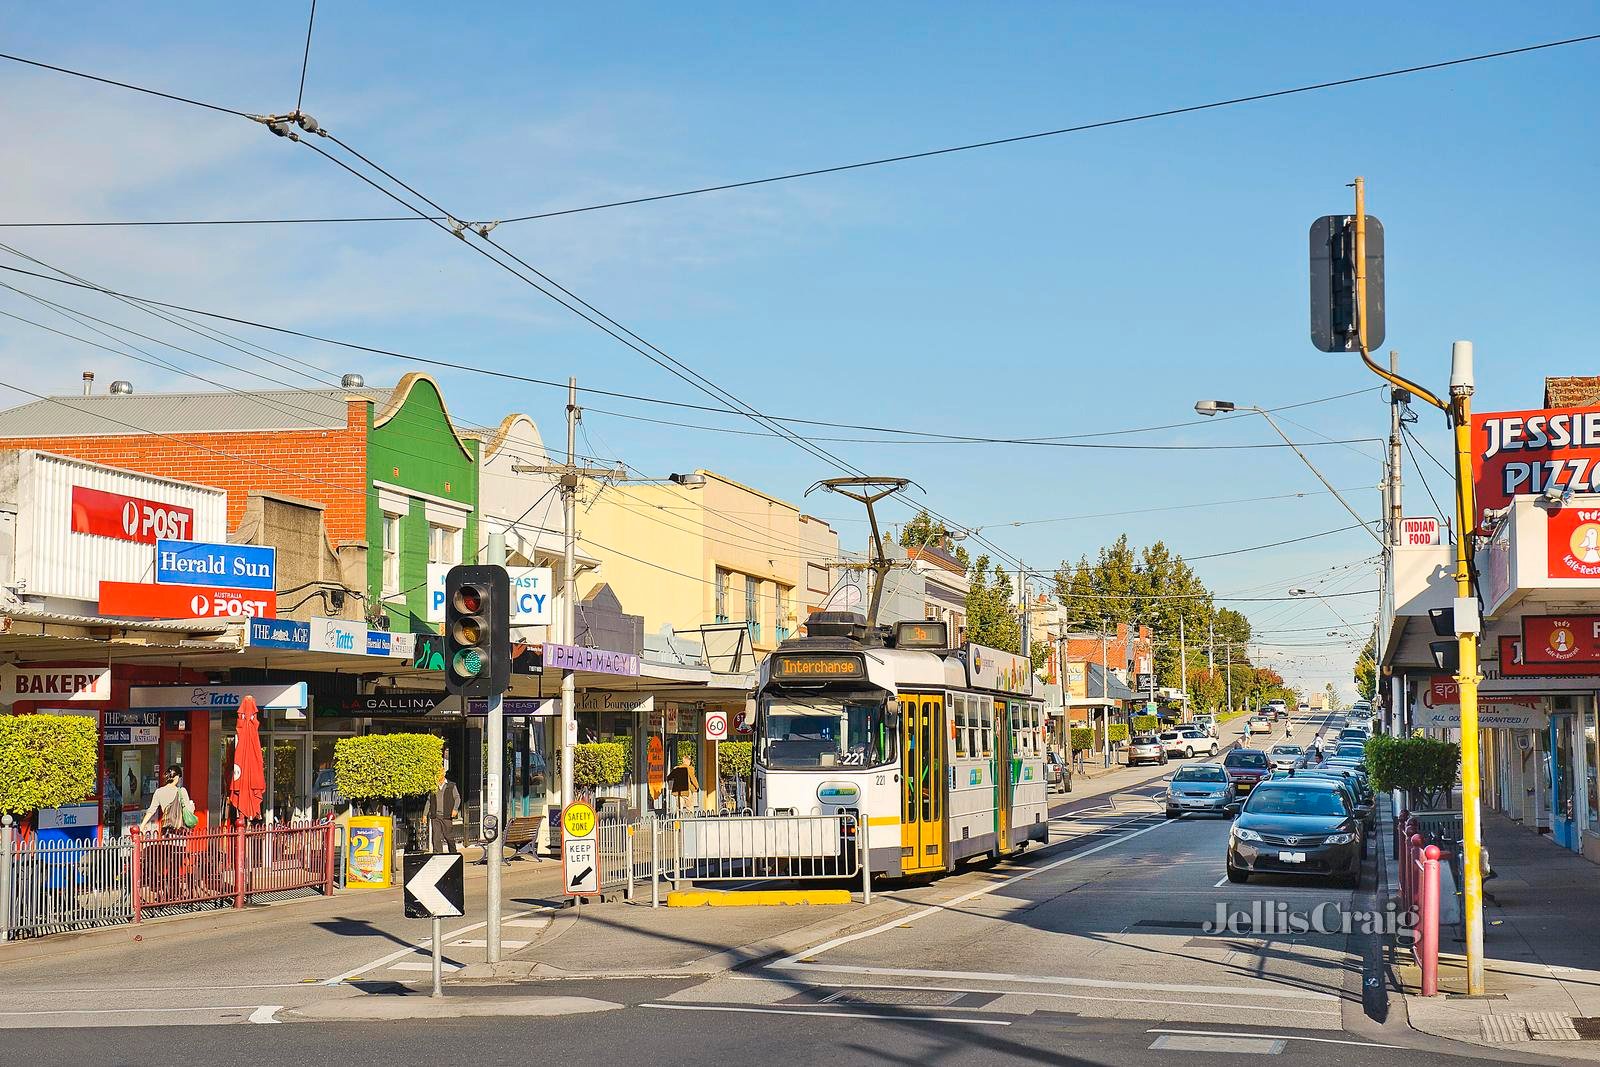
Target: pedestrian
684, 785
170, 813
444, 804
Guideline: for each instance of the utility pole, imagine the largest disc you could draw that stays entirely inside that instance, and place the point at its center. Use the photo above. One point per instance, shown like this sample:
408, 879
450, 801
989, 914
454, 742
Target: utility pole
1183, 668
571, 475
1227, 653
494, 726
1105, 693
1397, 397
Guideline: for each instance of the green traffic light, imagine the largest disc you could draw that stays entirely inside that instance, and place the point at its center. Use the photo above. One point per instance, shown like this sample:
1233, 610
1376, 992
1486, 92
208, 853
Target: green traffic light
467, 663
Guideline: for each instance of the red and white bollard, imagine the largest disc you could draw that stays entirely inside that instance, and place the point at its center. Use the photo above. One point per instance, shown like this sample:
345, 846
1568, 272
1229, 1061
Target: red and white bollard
1428, 920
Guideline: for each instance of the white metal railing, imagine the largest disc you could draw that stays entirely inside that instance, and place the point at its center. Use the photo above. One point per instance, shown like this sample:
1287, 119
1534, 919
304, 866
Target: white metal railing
54, 886
704, 846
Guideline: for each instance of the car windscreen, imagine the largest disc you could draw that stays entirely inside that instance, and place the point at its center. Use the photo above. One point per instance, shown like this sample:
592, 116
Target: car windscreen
1146, 739
1286, 750
1201, 774
1239, 758
1288, 800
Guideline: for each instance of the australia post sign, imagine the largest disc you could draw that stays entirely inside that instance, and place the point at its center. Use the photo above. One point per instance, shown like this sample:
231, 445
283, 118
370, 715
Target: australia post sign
135, 600
1520, 453
128, 518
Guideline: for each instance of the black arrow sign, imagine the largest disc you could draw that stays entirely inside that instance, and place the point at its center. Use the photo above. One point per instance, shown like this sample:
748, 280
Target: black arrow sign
579, 878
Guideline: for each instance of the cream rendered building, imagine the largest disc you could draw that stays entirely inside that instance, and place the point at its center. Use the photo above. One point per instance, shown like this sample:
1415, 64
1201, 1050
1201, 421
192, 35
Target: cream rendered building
715, 561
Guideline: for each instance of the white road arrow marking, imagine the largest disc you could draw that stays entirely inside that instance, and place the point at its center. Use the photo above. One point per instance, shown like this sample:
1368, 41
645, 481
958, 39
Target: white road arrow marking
425, 886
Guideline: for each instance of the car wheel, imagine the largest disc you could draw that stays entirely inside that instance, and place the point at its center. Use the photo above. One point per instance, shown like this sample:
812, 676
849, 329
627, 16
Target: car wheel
1213, 748
1171, 814
1163, 759
1236, 875
1188, 753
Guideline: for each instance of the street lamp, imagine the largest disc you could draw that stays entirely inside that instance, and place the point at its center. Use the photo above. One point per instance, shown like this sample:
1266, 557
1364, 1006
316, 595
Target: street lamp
1209, 408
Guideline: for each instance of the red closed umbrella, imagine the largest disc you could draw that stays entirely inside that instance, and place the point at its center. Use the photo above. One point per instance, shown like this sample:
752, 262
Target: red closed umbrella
249, 777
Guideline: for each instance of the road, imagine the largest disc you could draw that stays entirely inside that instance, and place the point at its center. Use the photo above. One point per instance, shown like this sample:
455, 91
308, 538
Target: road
1096, 948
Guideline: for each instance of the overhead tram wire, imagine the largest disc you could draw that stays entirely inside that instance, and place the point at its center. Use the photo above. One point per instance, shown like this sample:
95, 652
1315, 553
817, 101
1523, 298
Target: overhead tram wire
305, 59
1423, 478
637, 398
837, 168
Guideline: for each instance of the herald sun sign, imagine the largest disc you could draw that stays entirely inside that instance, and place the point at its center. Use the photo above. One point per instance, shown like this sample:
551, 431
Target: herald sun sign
530, 594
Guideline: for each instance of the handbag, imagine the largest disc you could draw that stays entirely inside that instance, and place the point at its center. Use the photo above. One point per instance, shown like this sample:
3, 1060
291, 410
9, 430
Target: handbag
190, 819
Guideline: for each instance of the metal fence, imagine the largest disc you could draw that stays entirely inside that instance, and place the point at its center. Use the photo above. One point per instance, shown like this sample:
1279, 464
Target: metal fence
52, 886
708, 847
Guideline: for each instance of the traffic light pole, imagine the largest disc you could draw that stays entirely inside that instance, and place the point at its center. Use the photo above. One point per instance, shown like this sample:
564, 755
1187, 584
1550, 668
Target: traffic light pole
1459, 409
494, 726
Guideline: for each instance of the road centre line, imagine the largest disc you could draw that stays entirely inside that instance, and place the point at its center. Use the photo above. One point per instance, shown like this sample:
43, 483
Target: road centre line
826, 946
1275, 1037
420, 946
1046, 993
132, 1011
830, 1014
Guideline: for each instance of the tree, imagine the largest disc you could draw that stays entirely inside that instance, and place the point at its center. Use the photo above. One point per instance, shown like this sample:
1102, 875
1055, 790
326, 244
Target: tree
1367, 669
1333, 696
924, 529
992, 615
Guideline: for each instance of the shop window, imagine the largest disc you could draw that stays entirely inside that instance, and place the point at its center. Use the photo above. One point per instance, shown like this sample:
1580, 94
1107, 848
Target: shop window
780, 612
721, 604
444, 544
391, 555
752, 606
1591, 745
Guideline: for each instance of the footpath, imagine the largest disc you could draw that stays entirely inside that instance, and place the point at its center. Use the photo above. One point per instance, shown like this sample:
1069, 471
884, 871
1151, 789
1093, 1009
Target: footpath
1541, 951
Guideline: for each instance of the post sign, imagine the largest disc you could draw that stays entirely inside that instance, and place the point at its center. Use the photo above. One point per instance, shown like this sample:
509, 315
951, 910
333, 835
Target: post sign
1573, 542
136, 600
369, 851
71, 684
530, 594
580, 856
655, 761
433, 885
1520, 453
128, 518
1421, 531
1560, 639
716, 726
204, 563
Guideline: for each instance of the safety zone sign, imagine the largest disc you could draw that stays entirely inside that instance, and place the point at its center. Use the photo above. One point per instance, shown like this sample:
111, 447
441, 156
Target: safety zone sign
580, 856
716, 726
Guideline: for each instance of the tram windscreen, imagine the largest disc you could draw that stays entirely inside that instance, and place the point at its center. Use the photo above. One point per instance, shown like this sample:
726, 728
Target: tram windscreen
799, 735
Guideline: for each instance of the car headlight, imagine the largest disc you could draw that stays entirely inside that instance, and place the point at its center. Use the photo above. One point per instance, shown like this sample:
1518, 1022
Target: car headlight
1340, 839
1245, 835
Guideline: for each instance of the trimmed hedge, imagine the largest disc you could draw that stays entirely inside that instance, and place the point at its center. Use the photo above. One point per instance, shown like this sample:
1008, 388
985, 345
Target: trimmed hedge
1145, 724
734, 759
1116, 732
1082, 738
1424, 767
46, 760
599, 763
387, 766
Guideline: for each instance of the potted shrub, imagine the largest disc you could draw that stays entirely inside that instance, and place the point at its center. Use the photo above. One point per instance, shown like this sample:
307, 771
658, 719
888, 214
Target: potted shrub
378, 773
46, 761
1425, 769
735, 765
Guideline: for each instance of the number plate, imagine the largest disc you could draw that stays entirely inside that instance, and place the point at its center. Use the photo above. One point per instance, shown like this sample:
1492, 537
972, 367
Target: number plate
1291, 857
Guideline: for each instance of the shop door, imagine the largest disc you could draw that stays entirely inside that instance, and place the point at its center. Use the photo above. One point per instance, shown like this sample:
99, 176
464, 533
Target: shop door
923, 786
1563, 800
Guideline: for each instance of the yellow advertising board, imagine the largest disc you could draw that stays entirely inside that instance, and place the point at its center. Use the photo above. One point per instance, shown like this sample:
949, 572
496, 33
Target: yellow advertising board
369, 852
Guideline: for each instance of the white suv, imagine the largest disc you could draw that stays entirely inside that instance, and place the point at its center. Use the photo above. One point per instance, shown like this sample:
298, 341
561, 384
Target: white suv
1187, 740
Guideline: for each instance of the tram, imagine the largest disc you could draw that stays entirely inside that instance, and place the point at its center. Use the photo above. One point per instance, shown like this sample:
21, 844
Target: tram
939, 752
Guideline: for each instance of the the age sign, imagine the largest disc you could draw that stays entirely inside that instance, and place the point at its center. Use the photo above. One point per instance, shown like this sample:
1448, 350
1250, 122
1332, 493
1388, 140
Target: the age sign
129, 518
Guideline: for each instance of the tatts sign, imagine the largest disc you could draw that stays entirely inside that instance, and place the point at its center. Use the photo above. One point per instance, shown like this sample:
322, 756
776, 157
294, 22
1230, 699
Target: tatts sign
1521, 453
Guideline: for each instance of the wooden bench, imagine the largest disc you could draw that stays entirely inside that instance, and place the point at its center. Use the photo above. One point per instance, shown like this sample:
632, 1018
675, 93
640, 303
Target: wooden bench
522, 837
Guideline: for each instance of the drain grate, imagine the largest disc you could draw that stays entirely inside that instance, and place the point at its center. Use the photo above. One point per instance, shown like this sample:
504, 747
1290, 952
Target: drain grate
903, 998
1172, 924
1588, 1028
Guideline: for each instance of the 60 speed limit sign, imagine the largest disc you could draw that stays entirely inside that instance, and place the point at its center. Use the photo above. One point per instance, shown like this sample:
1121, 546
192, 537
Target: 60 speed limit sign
716, 726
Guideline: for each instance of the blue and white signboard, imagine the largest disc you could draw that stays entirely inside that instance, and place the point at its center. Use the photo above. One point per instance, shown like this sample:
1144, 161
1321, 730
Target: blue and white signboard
378, 643
528, 707
279, 633
338, 635
530, 594
221, 697
225, 566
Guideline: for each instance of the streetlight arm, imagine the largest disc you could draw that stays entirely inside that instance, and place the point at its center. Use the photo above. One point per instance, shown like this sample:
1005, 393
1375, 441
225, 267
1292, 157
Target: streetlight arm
1313, 468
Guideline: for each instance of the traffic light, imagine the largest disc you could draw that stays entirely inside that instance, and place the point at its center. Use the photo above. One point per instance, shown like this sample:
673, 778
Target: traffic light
1334, 322
477, 631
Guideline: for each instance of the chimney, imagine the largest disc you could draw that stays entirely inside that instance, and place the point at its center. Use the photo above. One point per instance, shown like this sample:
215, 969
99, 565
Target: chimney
88, 382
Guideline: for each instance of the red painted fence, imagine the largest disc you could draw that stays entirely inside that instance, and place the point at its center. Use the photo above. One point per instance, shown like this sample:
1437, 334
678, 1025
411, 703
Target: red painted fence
229, 864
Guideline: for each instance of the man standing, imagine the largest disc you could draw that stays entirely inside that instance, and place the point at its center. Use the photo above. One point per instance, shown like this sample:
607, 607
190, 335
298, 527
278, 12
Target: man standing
444, 804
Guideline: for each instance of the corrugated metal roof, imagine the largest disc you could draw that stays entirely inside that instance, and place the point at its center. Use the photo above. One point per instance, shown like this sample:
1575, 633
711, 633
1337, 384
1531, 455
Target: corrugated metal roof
109, 415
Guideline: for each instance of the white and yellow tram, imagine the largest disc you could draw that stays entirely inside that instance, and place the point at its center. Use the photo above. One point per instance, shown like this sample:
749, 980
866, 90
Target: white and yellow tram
938, 752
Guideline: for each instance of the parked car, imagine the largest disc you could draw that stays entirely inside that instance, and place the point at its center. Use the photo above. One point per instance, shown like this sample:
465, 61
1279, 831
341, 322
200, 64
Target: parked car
1057, 775
1304, 706
1258, 724
1297, 826
1354, 733
1146, 748
1246, 767
1203, 788
1350, 750
1362, 800
1206, 722
1285, 757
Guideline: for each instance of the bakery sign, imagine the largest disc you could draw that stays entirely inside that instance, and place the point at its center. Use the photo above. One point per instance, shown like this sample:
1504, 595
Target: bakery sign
71, 684
1560, 639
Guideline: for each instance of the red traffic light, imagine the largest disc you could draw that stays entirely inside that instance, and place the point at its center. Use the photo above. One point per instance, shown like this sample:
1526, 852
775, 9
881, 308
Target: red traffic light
469, 599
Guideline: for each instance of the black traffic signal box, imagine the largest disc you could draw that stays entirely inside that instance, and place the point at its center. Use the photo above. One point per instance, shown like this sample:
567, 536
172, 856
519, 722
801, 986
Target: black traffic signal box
477, 630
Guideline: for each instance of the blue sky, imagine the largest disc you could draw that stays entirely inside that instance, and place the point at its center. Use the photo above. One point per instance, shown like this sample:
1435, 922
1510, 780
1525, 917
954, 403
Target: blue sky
1092, 282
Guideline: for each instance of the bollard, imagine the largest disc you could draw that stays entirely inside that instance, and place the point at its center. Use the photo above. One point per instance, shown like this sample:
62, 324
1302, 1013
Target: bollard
1399, 831
136, 874
1428, 922
1414, 848
241, 863
864, 849
655, 864
627, 862
6, 846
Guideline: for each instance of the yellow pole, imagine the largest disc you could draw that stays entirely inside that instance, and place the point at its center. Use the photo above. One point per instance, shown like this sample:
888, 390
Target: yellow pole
1460, 409
1467, 682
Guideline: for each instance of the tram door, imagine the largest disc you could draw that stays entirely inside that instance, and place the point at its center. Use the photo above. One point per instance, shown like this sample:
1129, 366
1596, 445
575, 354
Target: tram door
922, 794
1005, 782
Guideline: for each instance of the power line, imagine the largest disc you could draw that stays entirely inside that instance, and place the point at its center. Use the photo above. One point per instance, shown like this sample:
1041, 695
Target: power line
124, 85
837, 168
1274, 544
1169, 507
1422, 476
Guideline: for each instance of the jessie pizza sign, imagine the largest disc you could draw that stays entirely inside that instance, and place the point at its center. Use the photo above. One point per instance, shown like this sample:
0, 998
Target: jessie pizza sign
1521, 453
